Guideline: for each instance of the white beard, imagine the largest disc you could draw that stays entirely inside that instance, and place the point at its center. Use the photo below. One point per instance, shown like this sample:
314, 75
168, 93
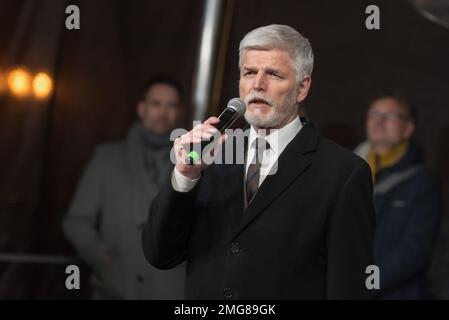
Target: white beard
274, 118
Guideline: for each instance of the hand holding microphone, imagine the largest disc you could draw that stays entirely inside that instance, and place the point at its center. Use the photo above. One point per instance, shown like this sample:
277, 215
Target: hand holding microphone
189, 161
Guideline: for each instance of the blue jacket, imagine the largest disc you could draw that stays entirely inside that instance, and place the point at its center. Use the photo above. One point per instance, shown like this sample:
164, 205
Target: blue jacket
408, 206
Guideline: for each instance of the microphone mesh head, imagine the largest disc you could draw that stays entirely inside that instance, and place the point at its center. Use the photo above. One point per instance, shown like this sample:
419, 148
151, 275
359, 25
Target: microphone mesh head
238, 105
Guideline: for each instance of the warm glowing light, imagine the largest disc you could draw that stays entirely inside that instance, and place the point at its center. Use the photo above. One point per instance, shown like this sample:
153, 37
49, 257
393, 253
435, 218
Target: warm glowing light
19, 82
42, 85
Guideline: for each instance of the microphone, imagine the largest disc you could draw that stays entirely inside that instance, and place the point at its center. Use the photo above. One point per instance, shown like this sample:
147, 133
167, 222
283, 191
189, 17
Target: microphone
236, 108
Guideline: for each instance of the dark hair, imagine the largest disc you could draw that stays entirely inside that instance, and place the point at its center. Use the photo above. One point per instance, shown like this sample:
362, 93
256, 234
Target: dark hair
163, 79
409, 109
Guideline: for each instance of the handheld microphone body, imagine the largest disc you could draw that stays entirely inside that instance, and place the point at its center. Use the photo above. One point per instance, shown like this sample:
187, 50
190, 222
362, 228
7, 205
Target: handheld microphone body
236, 108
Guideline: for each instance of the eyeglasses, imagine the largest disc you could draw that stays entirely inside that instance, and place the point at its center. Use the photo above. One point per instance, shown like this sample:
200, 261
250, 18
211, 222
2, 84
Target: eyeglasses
390, 116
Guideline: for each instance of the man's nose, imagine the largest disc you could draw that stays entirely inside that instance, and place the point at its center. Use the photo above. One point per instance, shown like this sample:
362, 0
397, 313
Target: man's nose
260, 82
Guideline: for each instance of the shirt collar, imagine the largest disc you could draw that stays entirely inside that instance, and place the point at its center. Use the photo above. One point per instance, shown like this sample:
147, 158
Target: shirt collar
278, 138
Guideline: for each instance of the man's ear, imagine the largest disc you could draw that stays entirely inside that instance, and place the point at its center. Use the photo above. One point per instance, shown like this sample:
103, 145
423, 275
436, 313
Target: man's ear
303, 89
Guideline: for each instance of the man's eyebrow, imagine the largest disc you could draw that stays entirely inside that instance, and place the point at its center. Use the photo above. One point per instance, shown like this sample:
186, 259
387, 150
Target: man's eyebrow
273, 70
267, 69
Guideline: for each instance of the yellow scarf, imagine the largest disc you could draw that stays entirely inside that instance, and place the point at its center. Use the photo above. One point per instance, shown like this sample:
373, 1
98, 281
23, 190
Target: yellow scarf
391, 157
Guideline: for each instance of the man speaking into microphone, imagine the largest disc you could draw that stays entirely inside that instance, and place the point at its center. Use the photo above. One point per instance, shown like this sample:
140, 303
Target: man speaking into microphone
302, 231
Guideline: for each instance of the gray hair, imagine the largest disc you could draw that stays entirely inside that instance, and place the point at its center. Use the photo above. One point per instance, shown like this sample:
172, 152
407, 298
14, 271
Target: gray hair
283, 37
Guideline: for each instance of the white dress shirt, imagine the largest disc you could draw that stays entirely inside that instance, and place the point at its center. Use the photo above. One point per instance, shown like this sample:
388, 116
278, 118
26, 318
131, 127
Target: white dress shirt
278, 140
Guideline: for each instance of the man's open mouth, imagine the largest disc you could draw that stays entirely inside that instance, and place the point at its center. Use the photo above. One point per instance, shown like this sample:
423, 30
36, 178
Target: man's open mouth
259, 101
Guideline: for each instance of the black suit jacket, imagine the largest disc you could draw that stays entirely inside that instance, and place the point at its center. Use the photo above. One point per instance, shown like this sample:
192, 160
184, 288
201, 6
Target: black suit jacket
307, 234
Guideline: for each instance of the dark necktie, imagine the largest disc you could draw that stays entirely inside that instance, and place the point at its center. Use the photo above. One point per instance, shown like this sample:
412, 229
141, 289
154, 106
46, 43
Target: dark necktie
253, 174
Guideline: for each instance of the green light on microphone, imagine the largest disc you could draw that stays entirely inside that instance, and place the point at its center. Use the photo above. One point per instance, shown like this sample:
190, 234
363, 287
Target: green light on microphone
193, 155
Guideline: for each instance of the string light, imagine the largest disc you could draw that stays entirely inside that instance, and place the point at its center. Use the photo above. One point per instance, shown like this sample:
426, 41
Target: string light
42, 85
19, 82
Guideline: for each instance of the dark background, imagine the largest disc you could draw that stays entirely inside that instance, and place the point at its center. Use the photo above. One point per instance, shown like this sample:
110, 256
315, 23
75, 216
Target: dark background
100, 71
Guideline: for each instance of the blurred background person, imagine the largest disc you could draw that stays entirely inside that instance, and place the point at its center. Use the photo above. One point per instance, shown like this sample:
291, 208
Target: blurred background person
407, 199
112, 200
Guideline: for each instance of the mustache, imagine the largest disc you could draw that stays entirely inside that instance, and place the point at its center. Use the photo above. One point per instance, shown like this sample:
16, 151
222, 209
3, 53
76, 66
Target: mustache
260, 97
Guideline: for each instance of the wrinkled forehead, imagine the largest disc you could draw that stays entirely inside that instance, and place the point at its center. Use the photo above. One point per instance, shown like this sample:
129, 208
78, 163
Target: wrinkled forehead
266, 56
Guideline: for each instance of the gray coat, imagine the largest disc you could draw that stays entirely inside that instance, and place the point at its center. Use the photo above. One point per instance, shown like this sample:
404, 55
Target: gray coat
100, 224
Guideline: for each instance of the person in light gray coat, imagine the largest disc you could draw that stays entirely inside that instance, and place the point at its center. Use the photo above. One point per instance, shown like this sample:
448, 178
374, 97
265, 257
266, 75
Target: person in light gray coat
111, 203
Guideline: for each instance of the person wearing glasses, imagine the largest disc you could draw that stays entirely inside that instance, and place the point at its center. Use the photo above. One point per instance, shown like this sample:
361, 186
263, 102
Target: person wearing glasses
407, 199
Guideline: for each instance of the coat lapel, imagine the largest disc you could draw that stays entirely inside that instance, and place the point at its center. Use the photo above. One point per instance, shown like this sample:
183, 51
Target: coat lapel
293, 161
